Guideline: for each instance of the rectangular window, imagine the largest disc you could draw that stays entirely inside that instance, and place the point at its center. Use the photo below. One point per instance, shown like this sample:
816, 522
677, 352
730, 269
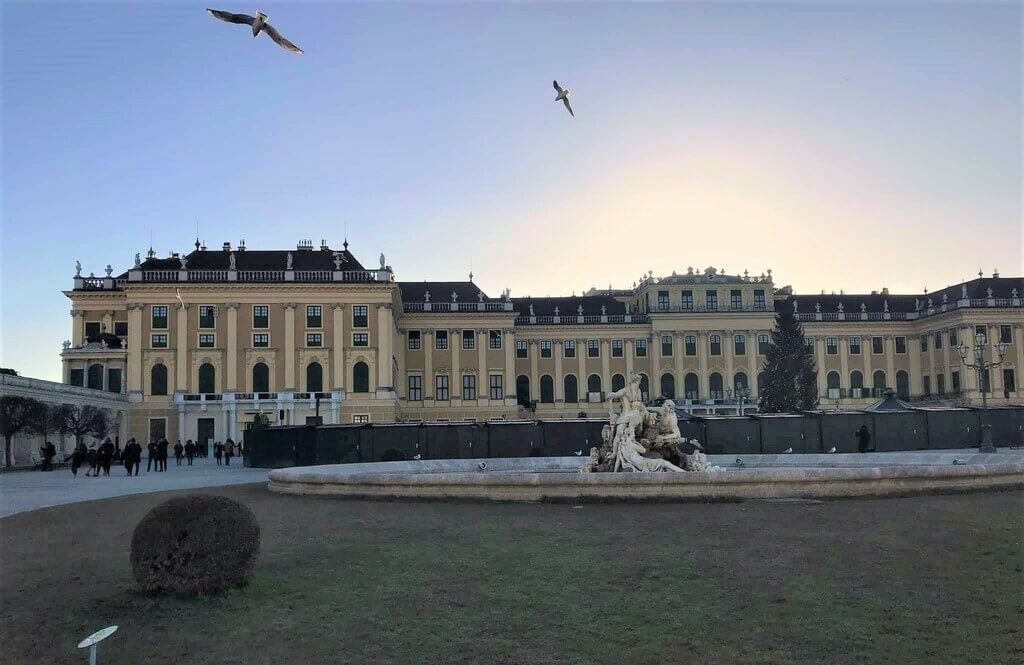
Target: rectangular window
314, 316
441, 340
360, 316
260, 340
901, 345
762, 344
690, 345
877, 347
924, 343
759, 299
314, 339
158, 341
663, 301
716, 344
1009, 380
93, 329
261, 316
1005, 335
569, 348
160, 317
739, 343
641, 348
831, 346
441, 387
711, 300
415, 388
469, 386
927, 384
77, 378
981, 330
616, 348
468, 340
954, 381
666, 346
687, 299
938, 340
361, 418
415, 340
121, 328
593, 348
855, 346
494, 340
207, 341
207, 318
497, 389
735, 299
940, 384
953, 341
545, 348
809, 342
522, 348
358, 339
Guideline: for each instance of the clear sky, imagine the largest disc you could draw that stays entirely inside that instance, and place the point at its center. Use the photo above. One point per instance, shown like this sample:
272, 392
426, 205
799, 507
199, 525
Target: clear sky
846, 146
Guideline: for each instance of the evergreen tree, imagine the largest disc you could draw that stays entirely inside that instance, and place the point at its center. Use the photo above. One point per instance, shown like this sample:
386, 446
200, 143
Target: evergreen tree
790, 381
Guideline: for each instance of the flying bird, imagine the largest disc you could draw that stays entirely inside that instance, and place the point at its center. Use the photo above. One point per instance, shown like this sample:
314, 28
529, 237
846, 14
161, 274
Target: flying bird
563, 95
788, 450
259, 24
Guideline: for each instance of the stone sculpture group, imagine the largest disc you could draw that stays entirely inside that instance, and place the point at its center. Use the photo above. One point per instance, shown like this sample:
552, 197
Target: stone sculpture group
643, 438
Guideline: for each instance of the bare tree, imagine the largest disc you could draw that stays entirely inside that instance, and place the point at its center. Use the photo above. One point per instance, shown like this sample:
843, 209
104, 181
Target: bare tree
81, 420
20, 414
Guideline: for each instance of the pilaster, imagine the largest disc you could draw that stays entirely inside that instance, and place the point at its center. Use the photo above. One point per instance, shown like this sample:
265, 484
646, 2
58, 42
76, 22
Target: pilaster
181, 349
338, 347
231, 373
289, 346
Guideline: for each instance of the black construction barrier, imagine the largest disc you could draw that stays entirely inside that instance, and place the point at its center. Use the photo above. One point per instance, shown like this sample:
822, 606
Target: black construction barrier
813, 432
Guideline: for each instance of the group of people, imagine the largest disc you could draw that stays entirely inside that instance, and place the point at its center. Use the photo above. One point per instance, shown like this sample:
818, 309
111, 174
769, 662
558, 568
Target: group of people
100, 458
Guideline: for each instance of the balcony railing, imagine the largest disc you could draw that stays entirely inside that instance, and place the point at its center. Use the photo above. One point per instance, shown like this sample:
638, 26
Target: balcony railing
482, 306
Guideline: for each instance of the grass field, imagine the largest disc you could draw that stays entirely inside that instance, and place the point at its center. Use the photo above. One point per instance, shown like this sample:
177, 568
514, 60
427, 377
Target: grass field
923, 580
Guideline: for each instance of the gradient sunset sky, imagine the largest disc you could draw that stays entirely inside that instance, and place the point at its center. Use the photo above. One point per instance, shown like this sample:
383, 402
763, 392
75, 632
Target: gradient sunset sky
846, 146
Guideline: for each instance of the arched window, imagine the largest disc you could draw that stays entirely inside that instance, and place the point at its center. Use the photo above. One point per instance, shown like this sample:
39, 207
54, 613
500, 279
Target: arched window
715, 385
523, 390
314, 378
856, 380
360, 378
547, 389
691, 386
593, 383
569, 383
903, 384
668, 386
207, 378
158, 379
832, 384
645, 388
95, 377
618, 382
739, 381
260, 378
878, 382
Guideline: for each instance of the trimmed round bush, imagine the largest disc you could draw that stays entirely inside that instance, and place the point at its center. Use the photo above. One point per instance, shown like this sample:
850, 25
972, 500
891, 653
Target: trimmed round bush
194, 545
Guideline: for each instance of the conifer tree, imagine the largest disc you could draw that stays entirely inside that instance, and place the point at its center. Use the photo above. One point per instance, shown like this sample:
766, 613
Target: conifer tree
790, 381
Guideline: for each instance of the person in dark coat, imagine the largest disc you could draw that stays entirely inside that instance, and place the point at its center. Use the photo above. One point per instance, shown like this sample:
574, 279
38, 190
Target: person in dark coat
179, 451
48, 452
218, 451
162, 454
133, 456
93, 458
229, 451
106, 456
863, 439
118, 453
153, 458
190, 451
77, 458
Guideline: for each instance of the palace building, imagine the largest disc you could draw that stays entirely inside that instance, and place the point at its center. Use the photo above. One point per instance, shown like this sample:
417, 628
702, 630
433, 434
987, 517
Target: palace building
201, 343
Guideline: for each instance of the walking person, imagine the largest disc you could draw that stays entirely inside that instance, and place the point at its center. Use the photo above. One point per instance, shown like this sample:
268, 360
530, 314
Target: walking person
218, 452
229, 451
179, 451
106, 456
76, 457
133, 456
48, 451
162, 453
153, 458
863, 439
190, 451
92, 456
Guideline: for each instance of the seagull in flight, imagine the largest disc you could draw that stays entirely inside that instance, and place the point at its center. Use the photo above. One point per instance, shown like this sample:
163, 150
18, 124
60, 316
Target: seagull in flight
259, 24
563, 95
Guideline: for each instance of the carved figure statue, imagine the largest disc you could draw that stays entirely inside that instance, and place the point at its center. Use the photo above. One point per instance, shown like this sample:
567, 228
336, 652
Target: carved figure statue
426, 296
231, 261
885, 305
604, 310
108, 270
337, 260
963, 291
840, 307
579, 310
455, 296
480, 296
288, 265
945, 298
817, 307
78, 268
556, 311
863, 307
138, 260
531, 310
382, 263
1013, 293
989, 291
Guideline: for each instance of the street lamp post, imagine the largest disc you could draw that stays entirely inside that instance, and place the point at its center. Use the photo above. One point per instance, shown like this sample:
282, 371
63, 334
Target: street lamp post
741, 393
983, 368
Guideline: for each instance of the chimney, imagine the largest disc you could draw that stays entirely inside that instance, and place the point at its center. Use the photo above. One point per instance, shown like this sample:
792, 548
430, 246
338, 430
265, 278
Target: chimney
241, 245
874, 293
995, 273
323, 245
304, 245
885, 290
227, 247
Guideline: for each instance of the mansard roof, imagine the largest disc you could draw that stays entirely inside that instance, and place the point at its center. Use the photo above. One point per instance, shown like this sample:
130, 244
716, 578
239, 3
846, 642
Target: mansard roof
1002, 287
257, 259
440, 291
569, 305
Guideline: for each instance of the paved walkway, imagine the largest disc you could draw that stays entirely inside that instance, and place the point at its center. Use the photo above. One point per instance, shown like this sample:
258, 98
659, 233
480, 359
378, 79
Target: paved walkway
22, 491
